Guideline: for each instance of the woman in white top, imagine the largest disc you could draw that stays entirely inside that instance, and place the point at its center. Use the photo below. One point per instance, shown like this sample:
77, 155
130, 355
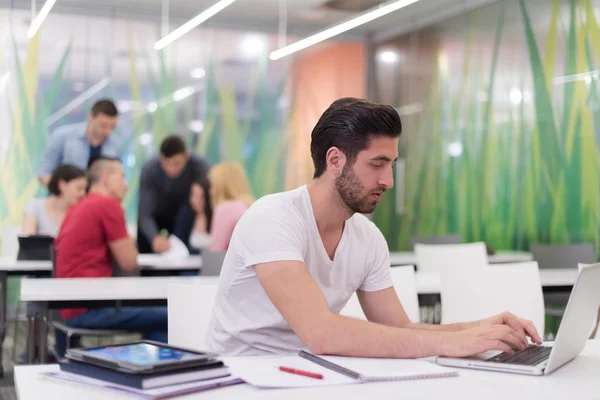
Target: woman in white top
200, 204
43, 216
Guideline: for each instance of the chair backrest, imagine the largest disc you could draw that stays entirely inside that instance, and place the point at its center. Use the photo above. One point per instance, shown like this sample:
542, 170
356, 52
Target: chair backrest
563, 255
435, 257
212, 262
9, 242
473, 294
189, 311
406, 289
453, 238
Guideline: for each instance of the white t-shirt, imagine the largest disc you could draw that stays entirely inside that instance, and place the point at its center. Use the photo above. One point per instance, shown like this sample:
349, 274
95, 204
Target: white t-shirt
282, 227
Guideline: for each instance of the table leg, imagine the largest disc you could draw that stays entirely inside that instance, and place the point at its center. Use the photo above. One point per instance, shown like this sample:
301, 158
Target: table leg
44, 339
31, 339
3, 300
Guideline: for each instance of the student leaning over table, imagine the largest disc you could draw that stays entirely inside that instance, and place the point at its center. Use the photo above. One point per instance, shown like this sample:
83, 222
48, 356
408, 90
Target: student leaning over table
295, 258
92, 237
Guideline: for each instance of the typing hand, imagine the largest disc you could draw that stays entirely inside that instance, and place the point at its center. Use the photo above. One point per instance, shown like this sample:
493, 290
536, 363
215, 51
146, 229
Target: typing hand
472, 341
522, 326
160, 244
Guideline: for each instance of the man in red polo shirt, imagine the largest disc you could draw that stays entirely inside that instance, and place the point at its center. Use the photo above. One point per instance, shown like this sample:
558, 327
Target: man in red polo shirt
92, 237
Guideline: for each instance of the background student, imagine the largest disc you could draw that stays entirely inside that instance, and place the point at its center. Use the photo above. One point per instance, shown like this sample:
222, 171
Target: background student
231, 196
77, 144
43, 216
92, 237
164, 189
193, 223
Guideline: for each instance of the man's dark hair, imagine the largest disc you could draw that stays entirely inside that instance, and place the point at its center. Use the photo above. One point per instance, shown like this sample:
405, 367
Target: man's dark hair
349, 124
99, 166
65, 173
172, 146
106, 107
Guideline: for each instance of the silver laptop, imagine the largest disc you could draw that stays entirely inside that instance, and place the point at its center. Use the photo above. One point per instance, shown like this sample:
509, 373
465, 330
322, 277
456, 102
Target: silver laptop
574, 330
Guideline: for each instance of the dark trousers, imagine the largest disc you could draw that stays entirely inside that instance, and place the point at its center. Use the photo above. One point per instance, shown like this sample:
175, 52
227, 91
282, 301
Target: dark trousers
151, 322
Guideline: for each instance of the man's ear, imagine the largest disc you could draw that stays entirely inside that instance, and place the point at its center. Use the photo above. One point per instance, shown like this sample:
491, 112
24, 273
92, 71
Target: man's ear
336, 160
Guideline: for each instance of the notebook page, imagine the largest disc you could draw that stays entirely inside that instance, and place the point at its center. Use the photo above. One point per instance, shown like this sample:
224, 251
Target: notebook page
264, 372
392, 369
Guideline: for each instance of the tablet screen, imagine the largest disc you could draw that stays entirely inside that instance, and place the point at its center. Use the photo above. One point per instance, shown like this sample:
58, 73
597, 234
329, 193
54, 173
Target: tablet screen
141, 353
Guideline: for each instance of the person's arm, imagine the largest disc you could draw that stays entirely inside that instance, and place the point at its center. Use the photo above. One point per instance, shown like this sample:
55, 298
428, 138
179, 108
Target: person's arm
148, 199
29, 225
383, 306
51, 158
220, 232
121, 245
297, 297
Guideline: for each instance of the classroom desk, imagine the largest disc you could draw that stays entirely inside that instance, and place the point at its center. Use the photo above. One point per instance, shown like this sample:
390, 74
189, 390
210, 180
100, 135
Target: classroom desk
551, 279
576, 380
56, 293
409, 257
10, 266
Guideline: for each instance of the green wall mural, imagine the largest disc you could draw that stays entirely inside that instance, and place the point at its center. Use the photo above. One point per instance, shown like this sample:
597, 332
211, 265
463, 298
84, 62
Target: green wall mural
234, 112
502, 126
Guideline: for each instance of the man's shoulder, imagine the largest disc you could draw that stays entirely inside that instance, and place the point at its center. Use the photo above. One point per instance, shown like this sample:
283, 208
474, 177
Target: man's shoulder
69, 131
151, 165
98, 203
363, 227
281, 202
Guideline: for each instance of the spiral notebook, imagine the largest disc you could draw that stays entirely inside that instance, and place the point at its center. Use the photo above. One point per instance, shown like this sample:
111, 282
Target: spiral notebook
264, 371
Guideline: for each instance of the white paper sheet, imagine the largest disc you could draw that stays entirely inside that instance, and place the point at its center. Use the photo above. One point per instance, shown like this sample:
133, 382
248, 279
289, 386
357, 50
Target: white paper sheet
264, 371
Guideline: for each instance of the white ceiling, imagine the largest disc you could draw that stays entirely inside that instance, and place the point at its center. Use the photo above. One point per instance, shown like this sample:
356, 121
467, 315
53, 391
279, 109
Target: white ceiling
304, 16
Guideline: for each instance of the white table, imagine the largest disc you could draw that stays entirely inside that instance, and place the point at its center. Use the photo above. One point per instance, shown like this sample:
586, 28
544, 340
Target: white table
409, 257
87, 290
146, 261
10, 266
575, 380
430, 282
54, 293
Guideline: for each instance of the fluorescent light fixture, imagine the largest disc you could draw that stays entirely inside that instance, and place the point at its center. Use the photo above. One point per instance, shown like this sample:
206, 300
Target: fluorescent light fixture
388, 57
196, 125
152, 106
328, 33
192, 23
253, 45
198, 73
77, 101
37, 22
182, 93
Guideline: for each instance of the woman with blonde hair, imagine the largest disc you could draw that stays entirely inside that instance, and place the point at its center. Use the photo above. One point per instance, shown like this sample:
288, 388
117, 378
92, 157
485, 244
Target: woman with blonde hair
230, 197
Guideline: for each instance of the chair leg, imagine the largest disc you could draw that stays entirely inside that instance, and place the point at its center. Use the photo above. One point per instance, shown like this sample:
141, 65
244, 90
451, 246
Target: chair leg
15, 332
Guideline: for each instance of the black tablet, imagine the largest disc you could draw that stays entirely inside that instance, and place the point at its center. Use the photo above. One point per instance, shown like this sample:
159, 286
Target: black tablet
143, 357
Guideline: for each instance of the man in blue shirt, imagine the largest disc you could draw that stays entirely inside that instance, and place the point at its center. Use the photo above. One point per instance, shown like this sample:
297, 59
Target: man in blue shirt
79, 144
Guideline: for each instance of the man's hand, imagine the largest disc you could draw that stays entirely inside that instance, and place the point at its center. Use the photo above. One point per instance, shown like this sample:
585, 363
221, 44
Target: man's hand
472, 341
523, 327
160, 244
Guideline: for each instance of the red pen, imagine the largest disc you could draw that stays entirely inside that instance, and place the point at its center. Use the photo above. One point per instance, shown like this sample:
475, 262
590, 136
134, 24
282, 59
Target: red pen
301, 372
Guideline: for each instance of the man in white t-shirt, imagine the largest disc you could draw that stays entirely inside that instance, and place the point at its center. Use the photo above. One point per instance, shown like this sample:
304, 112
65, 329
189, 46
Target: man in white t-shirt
296, 257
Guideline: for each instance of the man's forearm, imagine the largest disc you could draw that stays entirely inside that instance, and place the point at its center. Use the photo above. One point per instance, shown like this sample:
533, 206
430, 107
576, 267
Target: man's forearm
357, 338
443, 328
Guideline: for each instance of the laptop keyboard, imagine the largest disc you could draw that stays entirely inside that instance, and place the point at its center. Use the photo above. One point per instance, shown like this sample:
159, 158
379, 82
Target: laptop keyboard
532, 355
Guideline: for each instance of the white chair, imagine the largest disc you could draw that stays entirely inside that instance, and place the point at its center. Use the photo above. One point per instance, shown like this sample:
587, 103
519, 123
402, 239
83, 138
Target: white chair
189, 310
403, 279
9, 242
594, 334
472, 294
434, 258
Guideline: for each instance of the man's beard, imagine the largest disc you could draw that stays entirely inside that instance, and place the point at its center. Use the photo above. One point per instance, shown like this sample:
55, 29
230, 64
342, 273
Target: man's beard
351, 191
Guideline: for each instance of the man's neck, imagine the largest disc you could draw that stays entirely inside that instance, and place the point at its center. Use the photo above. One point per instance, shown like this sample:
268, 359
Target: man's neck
101, 190
90, 137
329, 210
58, 203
